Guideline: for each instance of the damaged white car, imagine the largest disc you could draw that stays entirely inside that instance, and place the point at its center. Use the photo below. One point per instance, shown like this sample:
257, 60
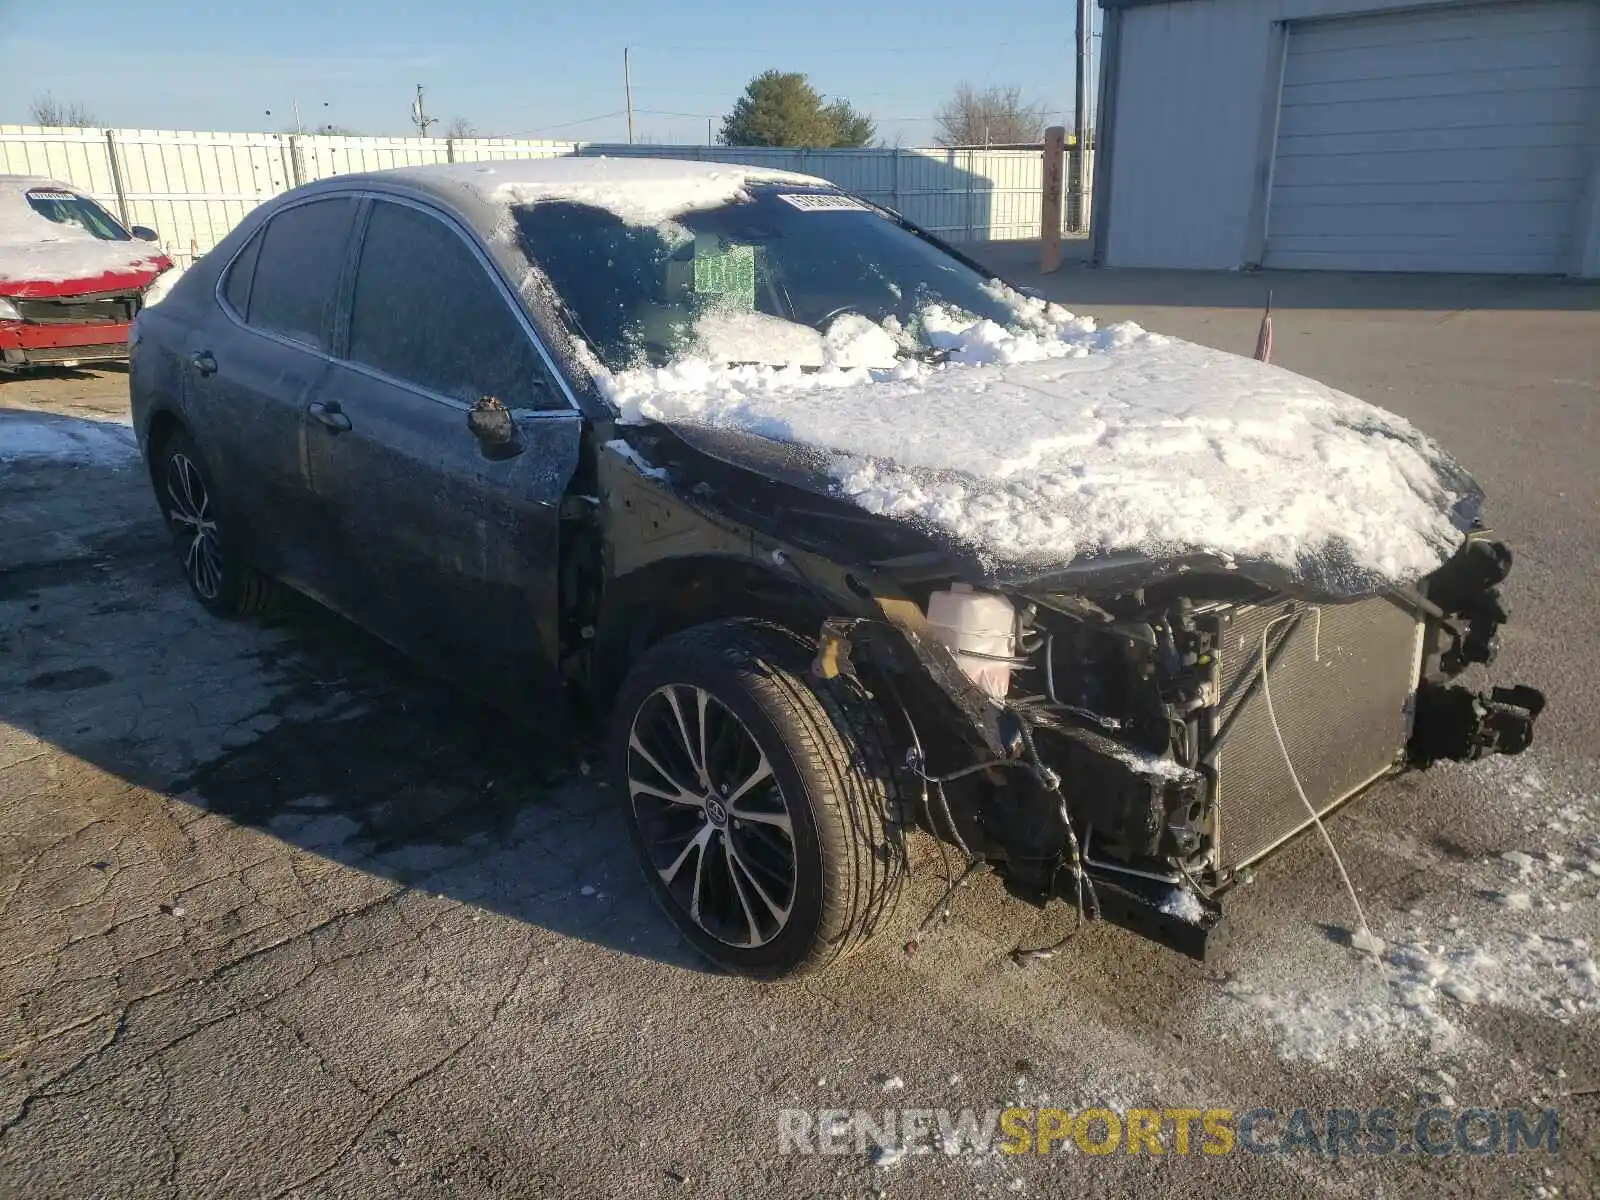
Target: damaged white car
843, 535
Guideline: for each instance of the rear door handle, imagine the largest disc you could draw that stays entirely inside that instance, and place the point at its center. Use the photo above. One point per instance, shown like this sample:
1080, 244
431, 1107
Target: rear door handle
204, 361
329, 413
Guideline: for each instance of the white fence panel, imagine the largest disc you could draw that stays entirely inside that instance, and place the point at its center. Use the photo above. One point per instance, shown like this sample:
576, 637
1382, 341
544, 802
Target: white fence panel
192, 187
322, 155
961, 195
498, 149
76, 156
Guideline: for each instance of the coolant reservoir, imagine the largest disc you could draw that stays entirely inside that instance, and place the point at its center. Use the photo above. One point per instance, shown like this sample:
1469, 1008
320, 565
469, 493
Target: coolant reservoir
976, 627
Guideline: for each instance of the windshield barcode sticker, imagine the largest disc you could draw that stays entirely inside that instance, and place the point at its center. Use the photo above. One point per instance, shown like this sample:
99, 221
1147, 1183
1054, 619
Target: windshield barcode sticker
815, 202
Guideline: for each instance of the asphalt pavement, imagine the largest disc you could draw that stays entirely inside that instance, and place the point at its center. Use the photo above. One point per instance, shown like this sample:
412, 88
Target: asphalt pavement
280, 915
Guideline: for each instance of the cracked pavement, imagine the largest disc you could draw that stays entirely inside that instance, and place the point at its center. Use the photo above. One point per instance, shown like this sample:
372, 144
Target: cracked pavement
280, 915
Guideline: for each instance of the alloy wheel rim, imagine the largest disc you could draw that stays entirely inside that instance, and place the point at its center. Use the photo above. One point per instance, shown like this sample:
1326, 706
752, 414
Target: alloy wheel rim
716, 827
190, 513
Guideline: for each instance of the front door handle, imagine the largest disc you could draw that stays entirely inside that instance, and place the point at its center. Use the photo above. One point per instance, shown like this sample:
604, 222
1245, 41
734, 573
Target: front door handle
329, 413
204, 361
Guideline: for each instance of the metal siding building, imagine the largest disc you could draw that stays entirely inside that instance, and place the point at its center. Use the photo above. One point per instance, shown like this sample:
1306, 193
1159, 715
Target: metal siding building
1398, 135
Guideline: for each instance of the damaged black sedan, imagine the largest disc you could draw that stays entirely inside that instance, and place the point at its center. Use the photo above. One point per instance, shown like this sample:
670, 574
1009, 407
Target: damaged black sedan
841, 536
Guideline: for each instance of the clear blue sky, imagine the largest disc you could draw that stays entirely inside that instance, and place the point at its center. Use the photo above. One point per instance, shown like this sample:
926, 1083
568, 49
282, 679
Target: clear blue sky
538, 70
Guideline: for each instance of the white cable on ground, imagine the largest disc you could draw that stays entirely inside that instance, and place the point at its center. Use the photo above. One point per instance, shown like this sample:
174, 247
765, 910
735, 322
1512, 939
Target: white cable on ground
1366, 939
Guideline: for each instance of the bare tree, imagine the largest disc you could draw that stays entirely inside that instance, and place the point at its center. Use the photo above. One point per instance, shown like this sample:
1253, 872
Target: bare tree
47, 110
995, 116
460, 127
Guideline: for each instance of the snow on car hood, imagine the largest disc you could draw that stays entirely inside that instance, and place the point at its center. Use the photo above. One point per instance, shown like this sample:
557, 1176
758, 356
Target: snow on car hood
1058, 441
67, 258
36, 250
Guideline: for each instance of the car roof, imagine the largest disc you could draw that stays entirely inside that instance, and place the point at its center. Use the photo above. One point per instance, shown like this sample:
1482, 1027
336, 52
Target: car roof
640, 190
553, 172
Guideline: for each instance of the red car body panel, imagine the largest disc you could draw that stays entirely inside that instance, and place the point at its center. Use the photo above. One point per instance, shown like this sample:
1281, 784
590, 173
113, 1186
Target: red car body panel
24, 335
110, 281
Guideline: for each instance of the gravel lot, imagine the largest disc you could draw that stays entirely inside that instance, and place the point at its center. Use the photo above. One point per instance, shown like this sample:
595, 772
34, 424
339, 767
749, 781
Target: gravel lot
280, 915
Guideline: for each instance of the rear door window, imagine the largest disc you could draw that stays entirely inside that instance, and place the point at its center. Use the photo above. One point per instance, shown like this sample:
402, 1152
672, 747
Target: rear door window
427, 311
237, 288
297, 270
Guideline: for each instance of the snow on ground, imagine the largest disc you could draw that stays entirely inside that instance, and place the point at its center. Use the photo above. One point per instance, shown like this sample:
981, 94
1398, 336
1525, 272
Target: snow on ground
1463, 949
641, 191
1056, 439
45, 437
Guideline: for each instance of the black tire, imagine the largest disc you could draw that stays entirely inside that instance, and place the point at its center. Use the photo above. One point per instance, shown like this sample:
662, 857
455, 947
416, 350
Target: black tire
224, 583
829, 755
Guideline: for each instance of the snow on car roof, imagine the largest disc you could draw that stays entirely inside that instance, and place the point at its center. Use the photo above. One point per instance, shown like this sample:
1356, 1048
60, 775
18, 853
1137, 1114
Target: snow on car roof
641, 191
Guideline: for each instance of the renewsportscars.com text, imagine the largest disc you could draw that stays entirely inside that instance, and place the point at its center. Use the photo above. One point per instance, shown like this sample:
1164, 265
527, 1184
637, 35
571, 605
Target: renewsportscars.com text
1329, 1133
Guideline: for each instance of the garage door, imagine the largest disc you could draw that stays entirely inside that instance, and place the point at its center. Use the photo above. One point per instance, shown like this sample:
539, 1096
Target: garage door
1454, 140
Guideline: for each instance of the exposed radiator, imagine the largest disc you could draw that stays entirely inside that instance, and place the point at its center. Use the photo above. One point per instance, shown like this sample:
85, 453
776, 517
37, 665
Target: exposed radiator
102, 307
1342, 686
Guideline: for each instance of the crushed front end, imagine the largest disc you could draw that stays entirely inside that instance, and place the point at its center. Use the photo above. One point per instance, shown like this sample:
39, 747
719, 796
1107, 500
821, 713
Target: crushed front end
1154, 742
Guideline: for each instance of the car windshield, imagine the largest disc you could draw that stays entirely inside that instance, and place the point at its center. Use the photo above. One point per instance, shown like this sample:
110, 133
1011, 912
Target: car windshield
68, 208
760, 280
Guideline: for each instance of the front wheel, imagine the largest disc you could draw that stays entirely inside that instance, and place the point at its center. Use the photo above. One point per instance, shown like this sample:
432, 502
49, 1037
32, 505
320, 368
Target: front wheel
761, 801
222, 582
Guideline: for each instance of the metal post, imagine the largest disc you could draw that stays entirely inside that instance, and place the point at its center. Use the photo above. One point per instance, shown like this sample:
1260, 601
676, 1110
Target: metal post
627, 91
969, 195
1055, 141
1080, 122
894, 181
116, 175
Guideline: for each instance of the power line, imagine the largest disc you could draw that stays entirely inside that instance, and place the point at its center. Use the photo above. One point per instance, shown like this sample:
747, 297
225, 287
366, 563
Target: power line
833, 50
580, 121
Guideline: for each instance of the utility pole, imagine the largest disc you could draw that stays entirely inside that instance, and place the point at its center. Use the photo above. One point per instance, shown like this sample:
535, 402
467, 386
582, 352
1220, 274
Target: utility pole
709, 142
1077, 182
627, 91
419, 117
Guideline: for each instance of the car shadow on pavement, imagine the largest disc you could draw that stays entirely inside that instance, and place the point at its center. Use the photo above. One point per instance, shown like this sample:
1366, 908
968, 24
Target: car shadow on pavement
46, 374
302, 726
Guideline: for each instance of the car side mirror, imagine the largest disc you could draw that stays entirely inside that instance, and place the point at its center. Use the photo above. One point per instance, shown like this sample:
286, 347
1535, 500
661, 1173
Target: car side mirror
143, 232
491, 423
